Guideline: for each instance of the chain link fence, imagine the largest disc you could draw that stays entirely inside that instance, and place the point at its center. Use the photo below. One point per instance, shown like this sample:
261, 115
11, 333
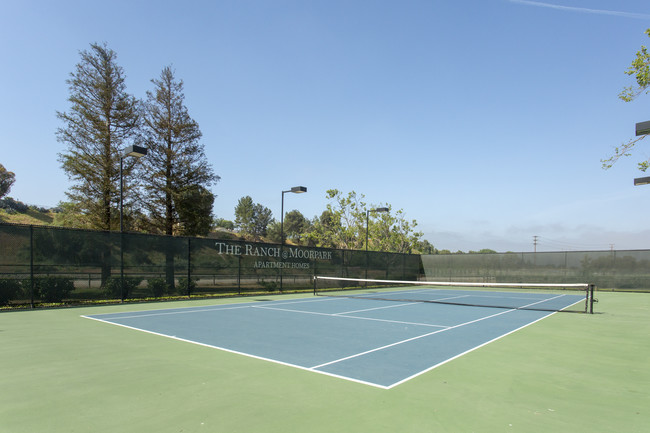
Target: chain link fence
608, 270
40, 264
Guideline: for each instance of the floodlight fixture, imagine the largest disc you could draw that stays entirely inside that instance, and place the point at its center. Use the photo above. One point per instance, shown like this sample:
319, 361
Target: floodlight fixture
643, 128
642, 181
137, 151
298, 189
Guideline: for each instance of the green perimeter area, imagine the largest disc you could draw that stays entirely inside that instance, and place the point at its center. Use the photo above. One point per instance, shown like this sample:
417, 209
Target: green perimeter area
569, 372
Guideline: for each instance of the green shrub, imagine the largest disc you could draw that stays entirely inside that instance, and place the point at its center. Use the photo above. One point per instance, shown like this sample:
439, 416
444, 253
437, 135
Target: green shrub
53, 289
185, 287
158, 286
270, 286
113, 287
9, 290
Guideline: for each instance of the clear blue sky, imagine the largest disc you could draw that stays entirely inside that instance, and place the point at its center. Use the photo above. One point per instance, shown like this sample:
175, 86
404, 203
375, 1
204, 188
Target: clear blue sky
484, 120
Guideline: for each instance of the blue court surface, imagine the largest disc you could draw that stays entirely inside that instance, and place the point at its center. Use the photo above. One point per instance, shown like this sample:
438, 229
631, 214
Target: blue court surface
374, 342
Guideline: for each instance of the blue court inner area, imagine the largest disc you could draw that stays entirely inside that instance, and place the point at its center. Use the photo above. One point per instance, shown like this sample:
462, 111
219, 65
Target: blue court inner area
375, 342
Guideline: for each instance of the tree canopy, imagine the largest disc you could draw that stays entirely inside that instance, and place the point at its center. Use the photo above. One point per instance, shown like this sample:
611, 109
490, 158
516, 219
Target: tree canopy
102, 120
7, 179
176, 167
640, 69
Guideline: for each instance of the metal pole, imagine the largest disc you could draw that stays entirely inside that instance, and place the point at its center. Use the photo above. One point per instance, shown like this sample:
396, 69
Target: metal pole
31, 264
367, 261
121, 195
121, 231
189, 268
281, 238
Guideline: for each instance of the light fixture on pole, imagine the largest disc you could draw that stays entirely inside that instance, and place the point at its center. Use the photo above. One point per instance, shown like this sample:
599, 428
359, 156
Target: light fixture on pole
641, 181
379, 209
138, 152
295, 190
642, 128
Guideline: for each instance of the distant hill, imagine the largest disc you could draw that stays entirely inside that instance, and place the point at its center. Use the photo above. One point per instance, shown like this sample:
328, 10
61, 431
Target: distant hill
17, 212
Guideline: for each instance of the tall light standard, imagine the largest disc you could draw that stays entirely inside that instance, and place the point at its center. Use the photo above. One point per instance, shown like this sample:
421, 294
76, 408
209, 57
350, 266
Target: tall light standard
138, 152
379, 209
295, 190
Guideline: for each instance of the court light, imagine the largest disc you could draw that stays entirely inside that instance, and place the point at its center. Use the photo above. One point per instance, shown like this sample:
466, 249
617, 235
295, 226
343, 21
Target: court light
643, 128
295, 190
135, 151
642, 181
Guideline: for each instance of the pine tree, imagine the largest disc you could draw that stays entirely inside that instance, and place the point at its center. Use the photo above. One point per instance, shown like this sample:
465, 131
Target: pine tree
102, 120
176, 166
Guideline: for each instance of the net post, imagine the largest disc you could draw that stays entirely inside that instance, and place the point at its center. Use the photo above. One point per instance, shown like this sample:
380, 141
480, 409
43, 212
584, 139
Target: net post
591, 290
314, 279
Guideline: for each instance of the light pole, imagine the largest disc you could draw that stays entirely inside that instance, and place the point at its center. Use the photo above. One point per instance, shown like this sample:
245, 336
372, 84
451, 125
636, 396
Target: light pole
379, 209
137, 152
295, 190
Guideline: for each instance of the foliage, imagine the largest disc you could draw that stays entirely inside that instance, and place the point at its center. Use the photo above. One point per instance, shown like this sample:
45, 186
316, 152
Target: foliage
270, 286
7, 179
348, 220
394, 233
157, 286
640, 68
252, 219
194, 206
176, 169
102, 120
113, 287
70, 215
53, 289
342, 225
9, 290
296, 229
185, 286
425, 247
296, 226
15, 205
224, 224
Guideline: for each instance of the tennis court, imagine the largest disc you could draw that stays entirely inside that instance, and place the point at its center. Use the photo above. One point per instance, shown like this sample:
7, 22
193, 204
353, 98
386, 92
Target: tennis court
569, 372
377, 342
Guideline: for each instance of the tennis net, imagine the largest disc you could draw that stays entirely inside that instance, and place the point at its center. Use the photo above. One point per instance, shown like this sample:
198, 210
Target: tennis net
521, 296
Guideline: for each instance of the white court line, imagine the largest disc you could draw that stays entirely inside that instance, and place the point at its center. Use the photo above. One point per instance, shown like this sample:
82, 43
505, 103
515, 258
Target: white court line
314, 369
203, 309
173, 337
316, 313
422, 336
372, 309
136, 314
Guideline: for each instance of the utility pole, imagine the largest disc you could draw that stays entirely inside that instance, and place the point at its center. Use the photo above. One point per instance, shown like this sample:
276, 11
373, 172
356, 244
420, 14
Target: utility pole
535, 238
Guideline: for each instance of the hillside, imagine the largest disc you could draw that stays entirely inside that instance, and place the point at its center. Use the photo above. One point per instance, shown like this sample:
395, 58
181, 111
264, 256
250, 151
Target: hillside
30, 216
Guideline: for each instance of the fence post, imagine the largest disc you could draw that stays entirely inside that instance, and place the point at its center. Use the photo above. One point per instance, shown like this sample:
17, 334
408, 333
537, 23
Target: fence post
31, 265
189, 267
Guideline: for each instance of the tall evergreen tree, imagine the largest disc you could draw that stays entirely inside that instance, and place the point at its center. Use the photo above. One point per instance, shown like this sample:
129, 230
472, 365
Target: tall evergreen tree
102, 120
176, 165
252, 219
